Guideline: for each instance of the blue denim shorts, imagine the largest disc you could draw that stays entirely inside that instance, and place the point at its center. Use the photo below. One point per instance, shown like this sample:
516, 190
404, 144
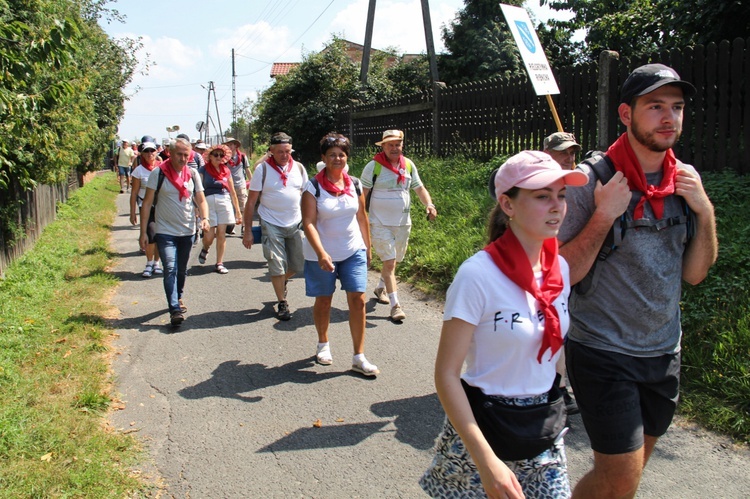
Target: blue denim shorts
352, 273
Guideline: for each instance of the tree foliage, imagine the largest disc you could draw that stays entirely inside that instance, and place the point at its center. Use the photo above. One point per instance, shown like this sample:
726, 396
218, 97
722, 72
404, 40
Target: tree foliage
60, 92
305, 102
640, 27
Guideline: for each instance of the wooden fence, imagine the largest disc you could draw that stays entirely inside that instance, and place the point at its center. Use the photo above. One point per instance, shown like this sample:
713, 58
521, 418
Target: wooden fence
38, 209
504, 115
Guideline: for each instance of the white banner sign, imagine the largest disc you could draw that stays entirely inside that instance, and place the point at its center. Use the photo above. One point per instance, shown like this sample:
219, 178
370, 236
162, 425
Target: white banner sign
531, 50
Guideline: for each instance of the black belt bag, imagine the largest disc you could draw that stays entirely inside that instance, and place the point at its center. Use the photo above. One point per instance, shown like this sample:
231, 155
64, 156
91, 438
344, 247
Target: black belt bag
515, 432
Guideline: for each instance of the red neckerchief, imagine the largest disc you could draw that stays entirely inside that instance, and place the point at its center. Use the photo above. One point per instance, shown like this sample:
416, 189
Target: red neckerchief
240, 157
148, 167
401, 171
509, 256
179, 180
331, 187
625, 161
220, 176
284, 173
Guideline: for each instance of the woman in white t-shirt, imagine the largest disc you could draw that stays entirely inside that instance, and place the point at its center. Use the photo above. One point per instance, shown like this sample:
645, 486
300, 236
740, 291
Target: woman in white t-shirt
147, 161
336, 246
506, 316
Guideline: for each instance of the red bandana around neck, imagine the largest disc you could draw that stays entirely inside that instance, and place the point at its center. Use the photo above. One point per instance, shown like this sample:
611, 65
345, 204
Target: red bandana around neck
509, 256
236, 160
625, 161
221, 175
178, 179
331, 188
401, 171
283, 172
148, 167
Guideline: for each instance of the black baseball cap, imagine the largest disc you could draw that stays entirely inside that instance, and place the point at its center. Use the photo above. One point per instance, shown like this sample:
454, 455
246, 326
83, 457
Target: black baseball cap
280, 138
648, 78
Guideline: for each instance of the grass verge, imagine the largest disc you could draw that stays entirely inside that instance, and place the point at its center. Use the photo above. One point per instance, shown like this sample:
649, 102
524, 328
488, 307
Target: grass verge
54, 373
716, 313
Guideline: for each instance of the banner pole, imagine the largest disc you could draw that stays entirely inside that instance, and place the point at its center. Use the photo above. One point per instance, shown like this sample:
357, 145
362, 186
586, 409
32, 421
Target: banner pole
554, 113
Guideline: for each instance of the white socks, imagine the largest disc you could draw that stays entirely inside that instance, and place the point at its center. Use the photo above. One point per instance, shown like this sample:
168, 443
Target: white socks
393, 298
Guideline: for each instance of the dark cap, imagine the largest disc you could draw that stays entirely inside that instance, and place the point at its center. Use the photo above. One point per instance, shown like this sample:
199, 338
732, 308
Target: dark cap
147, 138
560, 141
648, 78
280, 138
184, 136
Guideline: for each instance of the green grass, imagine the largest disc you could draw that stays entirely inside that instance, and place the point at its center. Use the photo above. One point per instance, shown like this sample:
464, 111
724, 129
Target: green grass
54, 372
716, 313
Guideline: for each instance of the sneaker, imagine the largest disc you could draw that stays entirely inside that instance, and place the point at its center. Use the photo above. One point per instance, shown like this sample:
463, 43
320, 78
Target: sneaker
176, 318
230, 230
364, 367
183, 308
157, 269
221, 269
570, 403
149, 270
202, 255
323, 356
121, 191
397, 314
381, 295
283, 313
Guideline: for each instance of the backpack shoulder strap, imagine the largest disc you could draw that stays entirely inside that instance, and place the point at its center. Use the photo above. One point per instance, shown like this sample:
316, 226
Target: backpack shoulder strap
316, 184
376, 171
357, 186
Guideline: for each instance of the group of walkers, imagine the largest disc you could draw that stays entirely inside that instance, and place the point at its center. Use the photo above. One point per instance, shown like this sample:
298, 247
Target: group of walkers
547, 282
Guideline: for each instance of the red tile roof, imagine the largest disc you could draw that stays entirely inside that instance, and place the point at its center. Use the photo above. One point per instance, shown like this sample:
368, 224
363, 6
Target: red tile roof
282, 68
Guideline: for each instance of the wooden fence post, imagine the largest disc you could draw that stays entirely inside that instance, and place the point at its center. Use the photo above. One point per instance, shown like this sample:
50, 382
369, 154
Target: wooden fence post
437, 88
605, 100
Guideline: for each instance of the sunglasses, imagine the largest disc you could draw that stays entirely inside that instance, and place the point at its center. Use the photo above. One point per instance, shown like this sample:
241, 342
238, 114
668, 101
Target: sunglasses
217, 154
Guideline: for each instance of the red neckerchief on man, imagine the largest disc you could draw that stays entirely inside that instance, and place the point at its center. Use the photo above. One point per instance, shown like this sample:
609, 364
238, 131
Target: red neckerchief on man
509, 256
283, 172
232, 163
625, 161
400, 171
221, 175
331, 188
179, 180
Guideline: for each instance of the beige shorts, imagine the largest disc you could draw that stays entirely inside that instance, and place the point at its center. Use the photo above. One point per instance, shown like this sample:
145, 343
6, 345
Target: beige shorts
220, 210
390, 241
241, 197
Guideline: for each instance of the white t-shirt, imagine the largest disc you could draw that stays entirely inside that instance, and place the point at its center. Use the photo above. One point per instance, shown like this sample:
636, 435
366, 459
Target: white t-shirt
175, 217
337, 226
142, 174
280, 205
502, 357
390, 202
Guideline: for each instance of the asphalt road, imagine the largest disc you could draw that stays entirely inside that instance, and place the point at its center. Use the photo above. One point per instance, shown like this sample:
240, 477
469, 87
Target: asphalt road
226, 405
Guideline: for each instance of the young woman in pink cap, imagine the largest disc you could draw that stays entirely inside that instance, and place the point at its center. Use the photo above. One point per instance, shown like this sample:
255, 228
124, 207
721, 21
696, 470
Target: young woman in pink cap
506, 316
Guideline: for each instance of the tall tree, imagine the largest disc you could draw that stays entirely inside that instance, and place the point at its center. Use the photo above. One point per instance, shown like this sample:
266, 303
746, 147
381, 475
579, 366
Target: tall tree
479, 44
639, 27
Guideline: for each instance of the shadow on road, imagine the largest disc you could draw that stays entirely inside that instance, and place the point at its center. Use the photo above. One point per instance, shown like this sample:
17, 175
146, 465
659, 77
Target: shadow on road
232, 379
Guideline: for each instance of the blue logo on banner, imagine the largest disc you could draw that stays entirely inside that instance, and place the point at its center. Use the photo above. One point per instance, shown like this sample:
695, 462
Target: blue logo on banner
528, 40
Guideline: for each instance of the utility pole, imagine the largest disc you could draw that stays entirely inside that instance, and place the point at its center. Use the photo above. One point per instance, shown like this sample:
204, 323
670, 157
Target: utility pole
208, 112
368, 43
234, 94
430, 43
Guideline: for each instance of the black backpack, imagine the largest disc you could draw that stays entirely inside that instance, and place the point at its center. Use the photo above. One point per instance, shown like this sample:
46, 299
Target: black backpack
603, 168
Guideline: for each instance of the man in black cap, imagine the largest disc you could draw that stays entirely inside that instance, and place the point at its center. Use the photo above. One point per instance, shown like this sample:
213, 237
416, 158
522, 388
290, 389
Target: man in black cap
623, 347
279, 182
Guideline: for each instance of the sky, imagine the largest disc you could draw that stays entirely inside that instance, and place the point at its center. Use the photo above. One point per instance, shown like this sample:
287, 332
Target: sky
188, 44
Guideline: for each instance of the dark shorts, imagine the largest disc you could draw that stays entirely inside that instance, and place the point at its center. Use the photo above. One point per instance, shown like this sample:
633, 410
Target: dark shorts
622, 397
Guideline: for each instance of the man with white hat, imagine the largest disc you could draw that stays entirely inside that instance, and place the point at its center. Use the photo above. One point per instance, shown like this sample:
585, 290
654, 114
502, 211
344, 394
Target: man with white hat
562, 146
386, 182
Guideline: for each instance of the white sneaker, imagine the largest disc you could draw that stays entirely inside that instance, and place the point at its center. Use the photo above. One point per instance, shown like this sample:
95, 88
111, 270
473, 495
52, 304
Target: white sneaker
364, 367
324, 355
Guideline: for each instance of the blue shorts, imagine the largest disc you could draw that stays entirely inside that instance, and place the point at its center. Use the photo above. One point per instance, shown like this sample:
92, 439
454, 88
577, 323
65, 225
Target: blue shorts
124, 171
352, 273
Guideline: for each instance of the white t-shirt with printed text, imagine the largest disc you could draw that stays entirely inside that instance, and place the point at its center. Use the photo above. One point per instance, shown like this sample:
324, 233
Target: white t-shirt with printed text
502, 357
390, 201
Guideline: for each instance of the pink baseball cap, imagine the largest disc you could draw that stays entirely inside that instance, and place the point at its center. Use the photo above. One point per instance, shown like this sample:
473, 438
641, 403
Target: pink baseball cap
533, 170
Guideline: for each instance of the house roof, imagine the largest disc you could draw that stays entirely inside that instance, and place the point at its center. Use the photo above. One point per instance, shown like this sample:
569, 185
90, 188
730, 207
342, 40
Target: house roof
282, 68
